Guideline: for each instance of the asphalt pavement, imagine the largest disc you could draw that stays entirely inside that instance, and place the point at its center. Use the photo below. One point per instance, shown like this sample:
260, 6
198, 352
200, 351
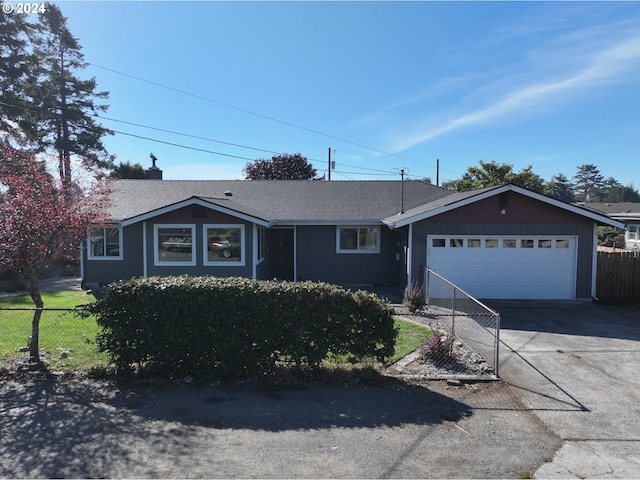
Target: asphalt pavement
575, 366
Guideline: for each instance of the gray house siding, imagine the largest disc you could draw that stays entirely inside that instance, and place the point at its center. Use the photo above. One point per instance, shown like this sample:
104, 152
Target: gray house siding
583, 230
317, 258
131, 264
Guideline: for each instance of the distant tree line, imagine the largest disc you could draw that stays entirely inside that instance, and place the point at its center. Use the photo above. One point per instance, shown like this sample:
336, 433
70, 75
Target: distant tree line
587, 185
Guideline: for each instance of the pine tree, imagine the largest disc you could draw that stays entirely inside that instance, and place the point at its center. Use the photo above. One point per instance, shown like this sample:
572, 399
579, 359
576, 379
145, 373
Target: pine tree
588, 183
562, 188
66, 104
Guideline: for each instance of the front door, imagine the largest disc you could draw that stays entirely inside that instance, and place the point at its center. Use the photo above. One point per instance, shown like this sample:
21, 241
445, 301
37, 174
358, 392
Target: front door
281, 248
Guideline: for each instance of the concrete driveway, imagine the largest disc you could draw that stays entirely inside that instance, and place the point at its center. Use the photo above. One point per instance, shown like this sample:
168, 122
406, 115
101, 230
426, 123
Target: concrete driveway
576, 366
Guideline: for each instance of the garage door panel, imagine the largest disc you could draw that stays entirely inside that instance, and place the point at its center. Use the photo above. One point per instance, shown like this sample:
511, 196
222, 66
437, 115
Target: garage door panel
535, 267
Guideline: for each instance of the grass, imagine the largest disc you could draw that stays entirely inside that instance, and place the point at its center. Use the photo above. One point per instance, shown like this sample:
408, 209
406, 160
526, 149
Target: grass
68, 342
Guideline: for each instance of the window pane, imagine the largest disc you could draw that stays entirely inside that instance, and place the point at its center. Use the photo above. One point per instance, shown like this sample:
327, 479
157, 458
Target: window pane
113, 241
438, 242
455, 242
562, 243
526, 243
473, 243
508, 244
544, 243
97, 242
348, 239
368, 239
175, 245
224, 244
491, 243
105, 242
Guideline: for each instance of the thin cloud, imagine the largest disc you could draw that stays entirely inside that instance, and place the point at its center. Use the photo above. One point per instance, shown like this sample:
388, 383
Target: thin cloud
604, 67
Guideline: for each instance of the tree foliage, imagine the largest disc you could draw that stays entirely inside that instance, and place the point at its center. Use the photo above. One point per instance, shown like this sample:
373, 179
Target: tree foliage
48, 106
127, 170
280, 167
588, 183
489, 174
39, 224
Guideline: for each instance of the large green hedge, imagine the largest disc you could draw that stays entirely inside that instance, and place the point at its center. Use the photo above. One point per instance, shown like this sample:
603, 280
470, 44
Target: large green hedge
229, 328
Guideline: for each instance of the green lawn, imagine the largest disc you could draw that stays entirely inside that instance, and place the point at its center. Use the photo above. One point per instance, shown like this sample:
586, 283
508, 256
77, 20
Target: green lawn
410, 337
68, 341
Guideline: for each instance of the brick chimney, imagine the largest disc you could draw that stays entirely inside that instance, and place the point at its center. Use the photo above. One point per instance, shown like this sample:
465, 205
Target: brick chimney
153, 173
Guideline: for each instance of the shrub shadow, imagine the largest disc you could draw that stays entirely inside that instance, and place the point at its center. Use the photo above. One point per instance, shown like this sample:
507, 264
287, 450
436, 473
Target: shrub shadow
74, 427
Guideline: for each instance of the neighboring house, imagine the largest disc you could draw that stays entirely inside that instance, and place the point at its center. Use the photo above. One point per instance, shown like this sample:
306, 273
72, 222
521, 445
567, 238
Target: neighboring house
626, 212
498, 242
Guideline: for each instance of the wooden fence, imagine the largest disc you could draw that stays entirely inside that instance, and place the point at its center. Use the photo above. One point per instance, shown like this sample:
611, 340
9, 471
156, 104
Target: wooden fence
618, 277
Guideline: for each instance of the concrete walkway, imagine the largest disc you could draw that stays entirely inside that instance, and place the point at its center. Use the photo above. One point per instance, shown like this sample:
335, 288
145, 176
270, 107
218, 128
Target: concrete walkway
576, 367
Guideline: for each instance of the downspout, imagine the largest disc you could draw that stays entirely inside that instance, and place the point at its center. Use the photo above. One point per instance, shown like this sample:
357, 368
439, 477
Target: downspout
144, 249
409, 255
594, 261
255, 252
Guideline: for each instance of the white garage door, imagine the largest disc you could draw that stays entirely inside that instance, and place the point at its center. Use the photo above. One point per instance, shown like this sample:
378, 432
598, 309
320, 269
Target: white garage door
515, 267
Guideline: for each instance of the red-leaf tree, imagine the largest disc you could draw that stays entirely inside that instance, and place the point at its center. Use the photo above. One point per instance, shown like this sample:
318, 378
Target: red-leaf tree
39, 225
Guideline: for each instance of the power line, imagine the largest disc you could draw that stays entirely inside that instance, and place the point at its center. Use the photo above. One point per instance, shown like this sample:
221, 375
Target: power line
249, 112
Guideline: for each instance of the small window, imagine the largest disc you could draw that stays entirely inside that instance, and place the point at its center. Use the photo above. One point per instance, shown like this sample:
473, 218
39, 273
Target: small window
491, 243
104, 243
562, 243
544, 243
474, 243
358, 240
225, 245
438, 242
526, 243
456, 242
508, 243
634, 232
174, 244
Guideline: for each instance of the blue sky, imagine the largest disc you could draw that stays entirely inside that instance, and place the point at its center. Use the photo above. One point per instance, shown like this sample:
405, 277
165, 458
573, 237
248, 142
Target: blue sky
387, 85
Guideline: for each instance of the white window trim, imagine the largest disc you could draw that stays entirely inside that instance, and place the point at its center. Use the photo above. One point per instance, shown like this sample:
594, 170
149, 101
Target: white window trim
260, 249
156, 260
636, 230
243, 245
357, 250
90, 256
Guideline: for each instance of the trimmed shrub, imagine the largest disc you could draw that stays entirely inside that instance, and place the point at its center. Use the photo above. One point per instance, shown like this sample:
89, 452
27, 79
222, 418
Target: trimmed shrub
232, 328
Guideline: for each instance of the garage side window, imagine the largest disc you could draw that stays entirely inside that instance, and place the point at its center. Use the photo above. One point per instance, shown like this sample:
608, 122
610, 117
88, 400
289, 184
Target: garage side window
225, 245
634, 232
173, 244
358, 240
104, 243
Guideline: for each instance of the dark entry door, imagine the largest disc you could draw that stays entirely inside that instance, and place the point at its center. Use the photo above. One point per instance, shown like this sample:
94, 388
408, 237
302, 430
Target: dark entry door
281, 246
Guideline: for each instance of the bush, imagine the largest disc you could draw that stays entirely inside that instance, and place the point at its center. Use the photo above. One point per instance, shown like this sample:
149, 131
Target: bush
231, 328
413, 297
436, 348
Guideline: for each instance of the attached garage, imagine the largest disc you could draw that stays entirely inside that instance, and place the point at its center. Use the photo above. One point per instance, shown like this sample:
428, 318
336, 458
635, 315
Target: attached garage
504, 242
522, 267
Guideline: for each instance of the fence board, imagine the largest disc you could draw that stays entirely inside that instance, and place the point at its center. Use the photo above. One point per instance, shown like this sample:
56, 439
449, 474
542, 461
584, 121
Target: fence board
618, 277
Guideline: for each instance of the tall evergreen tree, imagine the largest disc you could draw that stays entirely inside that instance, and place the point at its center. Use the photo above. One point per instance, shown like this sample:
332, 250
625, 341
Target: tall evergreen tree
66, 104
588, 183
16, 72
562, 188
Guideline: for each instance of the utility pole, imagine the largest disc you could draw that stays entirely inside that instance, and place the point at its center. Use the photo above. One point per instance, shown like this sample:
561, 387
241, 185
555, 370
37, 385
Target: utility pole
437, 172
329, 164
402, 184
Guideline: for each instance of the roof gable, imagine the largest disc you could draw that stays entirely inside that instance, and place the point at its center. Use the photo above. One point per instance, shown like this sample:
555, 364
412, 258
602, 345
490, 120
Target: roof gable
461, 199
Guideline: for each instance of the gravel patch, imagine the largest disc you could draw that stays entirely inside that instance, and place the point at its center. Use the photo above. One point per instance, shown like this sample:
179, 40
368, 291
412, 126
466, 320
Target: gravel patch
463, 363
